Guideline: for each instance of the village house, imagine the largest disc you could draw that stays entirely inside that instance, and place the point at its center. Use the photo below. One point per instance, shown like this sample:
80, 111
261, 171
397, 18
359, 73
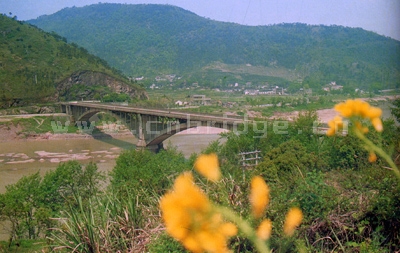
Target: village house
200, 100
159, 79
332, 86
251, 92
153, 86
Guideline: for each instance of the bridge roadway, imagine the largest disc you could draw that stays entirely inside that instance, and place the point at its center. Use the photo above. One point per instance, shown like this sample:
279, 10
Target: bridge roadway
160, 113
151, 126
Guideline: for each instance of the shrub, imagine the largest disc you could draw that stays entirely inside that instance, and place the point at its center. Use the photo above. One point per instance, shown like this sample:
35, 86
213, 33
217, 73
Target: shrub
142, 170
289, 158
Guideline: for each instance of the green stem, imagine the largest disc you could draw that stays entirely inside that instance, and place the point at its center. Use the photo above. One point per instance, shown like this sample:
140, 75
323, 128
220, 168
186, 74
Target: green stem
379, 151
245, 228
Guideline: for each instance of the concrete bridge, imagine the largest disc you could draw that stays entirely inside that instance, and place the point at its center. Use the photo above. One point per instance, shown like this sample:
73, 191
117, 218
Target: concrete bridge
150, 126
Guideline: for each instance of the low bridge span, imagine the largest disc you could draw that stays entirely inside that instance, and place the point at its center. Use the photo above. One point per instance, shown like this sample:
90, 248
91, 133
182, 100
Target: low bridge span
150, 126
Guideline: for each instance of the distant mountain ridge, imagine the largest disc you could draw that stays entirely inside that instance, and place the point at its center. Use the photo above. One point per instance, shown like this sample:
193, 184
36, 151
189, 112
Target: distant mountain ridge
163, 39
33, 63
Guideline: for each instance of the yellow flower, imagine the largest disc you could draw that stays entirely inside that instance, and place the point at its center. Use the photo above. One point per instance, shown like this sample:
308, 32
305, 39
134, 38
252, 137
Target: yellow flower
355, 107
334, 125
377, 123
345, 109
259, 196
293, 220
372, 157
264, 230
208, 166
362, 109
374, 112
190, 218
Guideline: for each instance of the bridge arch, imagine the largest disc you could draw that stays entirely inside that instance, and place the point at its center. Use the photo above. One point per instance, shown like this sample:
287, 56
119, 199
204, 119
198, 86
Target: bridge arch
87, 115
168, 132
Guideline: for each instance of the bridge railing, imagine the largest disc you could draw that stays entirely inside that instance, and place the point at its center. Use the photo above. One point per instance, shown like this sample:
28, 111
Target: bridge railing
183, 110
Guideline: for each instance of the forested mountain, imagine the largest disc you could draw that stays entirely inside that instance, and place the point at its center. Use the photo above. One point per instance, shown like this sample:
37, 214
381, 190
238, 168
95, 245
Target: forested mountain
151, 40
39, 66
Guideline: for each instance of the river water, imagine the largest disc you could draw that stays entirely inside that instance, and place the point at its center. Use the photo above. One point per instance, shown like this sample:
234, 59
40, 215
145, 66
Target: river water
25, 157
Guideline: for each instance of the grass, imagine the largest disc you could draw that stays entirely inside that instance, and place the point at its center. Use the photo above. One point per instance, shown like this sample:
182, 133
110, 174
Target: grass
24, 246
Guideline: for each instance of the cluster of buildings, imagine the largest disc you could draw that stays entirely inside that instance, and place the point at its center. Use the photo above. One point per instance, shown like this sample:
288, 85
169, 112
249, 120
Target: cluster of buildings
266, 91
195, 100
246, 89
332, 86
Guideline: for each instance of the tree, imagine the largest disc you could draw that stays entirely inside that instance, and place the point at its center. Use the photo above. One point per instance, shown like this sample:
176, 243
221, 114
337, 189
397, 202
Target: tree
18, 204
70, 180
396, 109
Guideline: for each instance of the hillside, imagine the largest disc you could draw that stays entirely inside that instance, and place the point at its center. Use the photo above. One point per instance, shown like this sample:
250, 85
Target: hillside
151, 40
36, 66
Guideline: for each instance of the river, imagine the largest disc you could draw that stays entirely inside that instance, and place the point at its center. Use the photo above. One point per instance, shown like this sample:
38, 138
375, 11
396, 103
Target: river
25, 157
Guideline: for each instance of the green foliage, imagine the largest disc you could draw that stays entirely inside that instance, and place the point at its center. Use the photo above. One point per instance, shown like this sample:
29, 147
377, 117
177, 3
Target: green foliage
115, 97
285, 161
142, 170
17, 205
316, 199
347, 153
30, 203
165, 243
384, 214
395, 110
24, 246
70, 179
168, 39
102, 225
35, 61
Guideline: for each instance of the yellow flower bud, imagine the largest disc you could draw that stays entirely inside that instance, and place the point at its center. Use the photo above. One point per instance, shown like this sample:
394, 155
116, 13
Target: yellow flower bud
372, 157
265, 229
208, 166
259, 196
374, 112
293, 220
377, 123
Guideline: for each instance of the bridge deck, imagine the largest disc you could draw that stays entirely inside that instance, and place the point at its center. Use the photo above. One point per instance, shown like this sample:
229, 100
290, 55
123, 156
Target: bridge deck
158, 112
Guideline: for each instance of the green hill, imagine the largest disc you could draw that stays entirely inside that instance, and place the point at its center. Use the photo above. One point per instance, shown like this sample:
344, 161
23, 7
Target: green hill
36, 66
152, 40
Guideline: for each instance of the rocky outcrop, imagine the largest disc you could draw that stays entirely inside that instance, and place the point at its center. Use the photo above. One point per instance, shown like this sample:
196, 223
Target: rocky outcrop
87, 85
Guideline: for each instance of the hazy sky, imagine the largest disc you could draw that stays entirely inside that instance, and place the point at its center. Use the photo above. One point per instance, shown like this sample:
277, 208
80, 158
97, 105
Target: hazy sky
381, 16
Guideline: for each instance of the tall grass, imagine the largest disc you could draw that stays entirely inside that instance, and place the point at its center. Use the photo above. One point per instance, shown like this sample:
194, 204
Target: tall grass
104, 225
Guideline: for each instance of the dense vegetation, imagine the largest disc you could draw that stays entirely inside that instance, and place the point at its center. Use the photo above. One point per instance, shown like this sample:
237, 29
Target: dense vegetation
33, 62
349, 204
152, 40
